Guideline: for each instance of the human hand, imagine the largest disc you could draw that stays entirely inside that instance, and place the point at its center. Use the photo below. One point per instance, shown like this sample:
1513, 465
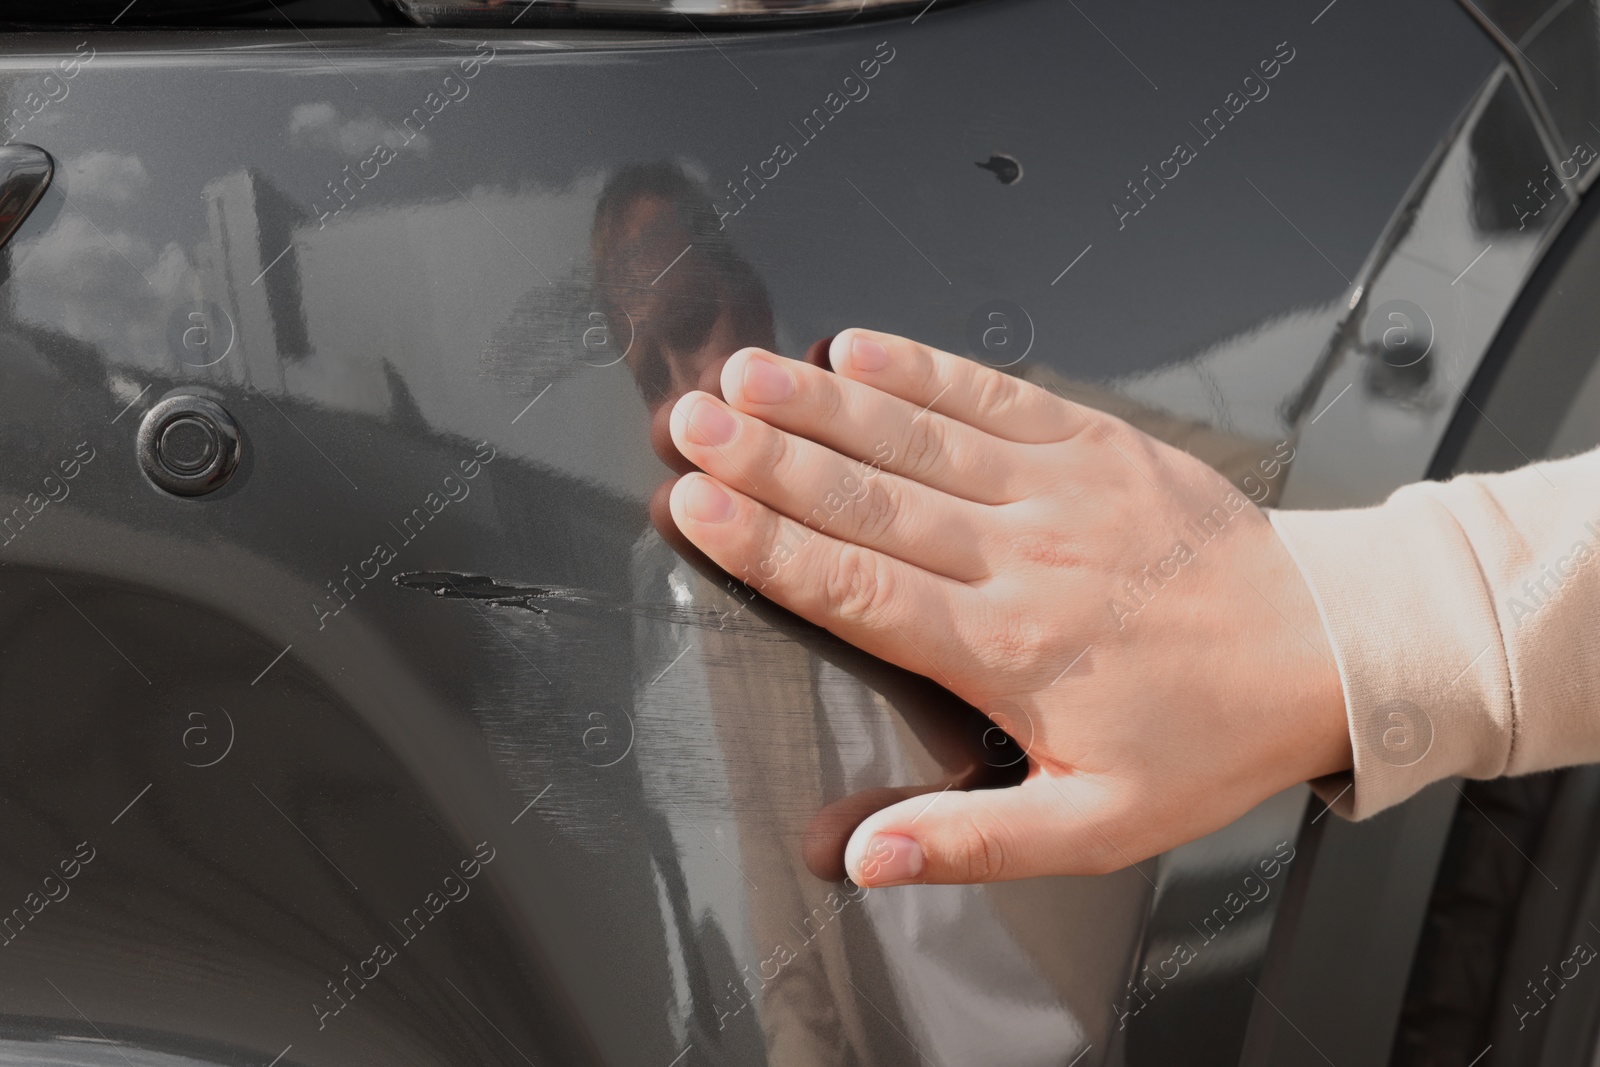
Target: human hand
1111, 602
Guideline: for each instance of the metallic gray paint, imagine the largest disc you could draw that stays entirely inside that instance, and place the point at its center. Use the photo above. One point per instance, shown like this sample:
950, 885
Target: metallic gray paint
646, 750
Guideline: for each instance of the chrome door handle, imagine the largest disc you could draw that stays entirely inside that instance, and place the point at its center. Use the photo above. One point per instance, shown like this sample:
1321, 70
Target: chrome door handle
25, 173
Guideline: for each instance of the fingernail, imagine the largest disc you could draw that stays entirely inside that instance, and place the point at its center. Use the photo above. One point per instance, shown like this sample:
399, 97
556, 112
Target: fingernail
709, 423
891, 859
867, 354
706, 501
767, 383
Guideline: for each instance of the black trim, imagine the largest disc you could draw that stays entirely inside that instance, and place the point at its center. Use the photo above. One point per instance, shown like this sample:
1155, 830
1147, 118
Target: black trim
1545, 278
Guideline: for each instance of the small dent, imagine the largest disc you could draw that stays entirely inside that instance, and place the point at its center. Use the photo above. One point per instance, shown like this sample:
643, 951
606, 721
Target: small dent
454, 586
1005, 167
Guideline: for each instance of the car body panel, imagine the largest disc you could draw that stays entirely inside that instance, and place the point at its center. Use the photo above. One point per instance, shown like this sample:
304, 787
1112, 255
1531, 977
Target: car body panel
428, 620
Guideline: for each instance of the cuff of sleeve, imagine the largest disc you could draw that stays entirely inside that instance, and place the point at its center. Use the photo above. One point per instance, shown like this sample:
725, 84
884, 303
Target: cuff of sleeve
1417, 643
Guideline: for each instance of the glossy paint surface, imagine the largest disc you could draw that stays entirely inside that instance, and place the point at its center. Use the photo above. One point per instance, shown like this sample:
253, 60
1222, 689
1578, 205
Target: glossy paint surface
415, 743
1434, 301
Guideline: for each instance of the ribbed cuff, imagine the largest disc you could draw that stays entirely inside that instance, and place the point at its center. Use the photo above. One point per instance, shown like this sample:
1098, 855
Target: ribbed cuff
1416, 639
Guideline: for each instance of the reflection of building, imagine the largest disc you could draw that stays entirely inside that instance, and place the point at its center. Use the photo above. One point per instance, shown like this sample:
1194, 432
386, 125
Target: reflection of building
414, 293
251, 269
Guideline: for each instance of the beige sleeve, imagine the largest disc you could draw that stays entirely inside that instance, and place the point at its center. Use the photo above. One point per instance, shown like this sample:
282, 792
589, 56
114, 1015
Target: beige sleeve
1465, 621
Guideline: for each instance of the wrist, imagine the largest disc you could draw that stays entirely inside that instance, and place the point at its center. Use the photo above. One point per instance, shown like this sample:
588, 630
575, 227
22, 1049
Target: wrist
1313, 688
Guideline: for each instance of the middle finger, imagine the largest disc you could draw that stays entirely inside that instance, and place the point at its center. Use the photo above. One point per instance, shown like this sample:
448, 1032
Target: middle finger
868, 424
851, 500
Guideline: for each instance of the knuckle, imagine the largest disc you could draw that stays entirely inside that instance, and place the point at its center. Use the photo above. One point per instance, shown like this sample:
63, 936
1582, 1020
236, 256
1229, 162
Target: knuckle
925, 445
878, 510
827, 398
928, 372
978, 855
856, 584
1045, 548
996, 396
1113, 434
775, 454
767, 552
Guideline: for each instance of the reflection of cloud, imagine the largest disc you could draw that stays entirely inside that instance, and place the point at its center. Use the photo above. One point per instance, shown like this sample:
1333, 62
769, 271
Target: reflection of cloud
320, 124
108, 176
88, 284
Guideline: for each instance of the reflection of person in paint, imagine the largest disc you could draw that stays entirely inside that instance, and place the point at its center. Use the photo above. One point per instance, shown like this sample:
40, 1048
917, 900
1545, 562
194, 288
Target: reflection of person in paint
686, 313
812, 942
683, 323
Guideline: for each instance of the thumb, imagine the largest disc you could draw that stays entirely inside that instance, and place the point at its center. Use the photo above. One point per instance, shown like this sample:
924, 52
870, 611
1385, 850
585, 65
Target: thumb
1038, 827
